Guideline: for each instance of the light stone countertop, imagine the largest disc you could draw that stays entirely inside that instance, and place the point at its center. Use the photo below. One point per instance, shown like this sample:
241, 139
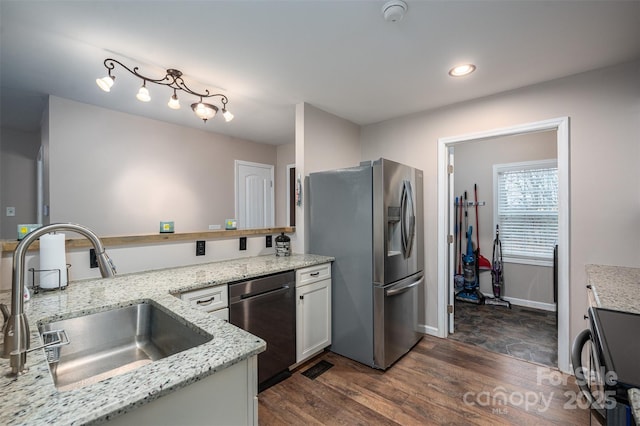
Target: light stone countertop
634, 398
32, 399
615, 287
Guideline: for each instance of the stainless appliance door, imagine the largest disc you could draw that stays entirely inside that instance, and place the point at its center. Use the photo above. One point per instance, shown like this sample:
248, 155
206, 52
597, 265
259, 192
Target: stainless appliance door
396, 319
397, 220
415, 252
605, 359
265, 307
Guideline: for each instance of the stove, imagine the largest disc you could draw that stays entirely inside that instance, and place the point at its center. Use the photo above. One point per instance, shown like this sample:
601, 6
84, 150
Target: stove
606, 359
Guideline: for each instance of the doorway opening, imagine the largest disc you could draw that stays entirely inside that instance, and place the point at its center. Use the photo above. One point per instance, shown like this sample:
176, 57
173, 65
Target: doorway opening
510, 182
446, 230
291, 195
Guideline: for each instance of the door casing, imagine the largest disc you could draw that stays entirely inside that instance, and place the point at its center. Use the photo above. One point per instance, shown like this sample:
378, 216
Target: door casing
446, 223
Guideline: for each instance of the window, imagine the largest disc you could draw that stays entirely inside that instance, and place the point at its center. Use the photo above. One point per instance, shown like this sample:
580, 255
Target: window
526, 209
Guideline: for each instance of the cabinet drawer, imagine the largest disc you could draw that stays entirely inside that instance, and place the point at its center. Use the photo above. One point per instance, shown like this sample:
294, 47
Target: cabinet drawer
207, 299
312, 274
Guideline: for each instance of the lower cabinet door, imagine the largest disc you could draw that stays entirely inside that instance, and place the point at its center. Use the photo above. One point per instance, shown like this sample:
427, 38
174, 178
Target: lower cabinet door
313, 319
223, 314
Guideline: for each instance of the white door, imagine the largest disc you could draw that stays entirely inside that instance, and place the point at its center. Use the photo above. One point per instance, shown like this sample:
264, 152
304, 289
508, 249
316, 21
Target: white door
254, 195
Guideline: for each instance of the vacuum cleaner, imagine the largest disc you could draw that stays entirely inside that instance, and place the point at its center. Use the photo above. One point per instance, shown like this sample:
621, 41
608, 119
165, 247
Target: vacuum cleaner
497, 274
471, 290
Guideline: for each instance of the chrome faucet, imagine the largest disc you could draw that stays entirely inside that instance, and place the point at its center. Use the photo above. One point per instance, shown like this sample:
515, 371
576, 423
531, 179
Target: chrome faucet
16, 327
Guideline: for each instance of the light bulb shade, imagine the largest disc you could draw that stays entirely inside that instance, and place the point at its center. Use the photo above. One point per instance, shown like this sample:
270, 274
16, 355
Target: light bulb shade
227, 115
105, 83
174, 103
204, 111
143, 94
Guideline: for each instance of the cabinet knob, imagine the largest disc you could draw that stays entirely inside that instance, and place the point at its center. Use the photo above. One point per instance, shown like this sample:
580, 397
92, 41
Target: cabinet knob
585, 316
589, 286
301, 296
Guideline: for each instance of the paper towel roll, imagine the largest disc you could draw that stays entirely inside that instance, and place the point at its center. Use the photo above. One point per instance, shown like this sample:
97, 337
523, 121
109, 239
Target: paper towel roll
52, 256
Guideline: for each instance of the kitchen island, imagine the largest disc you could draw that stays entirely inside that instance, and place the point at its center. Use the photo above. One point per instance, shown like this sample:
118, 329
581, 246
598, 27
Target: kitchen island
33, 399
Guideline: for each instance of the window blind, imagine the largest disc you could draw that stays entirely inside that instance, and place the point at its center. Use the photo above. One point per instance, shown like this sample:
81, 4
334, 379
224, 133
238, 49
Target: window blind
527, 209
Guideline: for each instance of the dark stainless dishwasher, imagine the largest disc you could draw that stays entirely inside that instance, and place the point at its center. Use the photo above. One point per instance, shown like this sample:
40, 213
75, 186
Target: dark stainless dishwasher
265, 307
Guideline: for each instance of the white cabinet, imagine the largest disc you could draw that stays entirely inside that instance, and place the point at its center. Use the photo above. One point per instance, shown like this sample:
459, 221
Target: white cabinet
313, 310
227, 397
211, 299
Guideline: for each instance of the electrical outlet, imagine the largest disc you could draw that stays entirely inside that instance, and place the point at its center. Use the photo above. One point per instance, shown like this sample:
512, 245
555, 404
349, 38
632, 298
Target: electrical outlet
269, 241
93, 261
243, 243
200, 247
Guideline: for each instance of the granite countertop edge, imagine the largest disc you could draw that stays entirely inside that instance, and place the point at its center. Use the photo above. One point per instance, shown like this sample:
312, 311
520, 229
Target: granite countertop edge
615, 287
33, 399
634, 397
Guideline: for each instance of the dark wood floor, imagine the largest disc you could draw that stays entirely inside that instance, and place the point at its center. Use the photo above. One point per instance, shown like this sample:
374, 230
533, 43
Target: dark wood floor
441, 381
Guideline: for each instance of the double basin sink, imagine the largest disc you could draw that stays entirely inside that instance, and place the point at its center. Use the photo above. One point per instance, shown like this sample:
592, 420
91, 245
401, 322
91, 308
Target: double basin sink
113, 342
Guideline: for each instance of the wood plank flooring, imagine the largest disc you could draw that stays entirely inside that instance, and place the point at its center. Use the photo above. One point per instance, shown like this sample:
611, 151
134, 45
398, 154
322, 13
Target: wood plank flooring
440, 382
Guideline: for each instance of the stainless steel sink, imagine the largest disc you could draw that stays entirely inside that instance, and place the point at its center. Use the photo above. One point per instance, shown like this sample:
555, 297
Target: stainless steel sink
113, 342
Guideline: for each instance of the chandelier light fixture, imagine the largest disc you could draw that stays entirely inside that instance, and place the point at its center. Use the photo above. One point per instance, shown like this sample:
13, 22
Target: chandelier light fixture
172, 79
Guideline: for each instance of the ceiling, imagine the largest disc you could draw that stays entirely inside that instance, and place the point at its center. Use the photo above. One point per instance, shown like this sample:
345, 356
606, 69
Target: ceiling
268, 56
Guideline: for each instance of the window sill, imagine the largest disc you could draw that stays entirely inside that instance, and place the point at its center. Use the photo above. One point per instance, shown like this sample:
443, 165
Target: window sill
535, 262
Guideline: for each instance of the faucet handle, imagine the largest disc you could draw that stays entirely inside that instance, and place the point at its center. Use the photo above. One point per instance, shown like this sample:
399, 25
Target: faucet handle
112, 266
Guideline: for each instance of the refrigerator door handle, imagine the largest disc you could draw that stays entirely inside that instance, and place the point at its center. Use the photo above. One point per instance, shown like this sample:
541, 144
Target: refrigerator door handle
407, 205
394, 291
403, 214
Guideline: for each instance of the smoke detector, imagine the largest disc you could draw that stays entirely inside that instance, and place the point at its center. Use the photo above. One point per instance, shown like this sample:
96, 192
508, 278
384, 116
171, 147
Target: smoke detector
394, 10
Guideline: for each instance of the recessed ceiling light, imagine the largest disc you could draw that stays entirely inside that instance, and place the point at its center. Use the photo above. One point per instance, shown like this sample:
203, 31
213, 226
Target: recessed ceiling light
462, 70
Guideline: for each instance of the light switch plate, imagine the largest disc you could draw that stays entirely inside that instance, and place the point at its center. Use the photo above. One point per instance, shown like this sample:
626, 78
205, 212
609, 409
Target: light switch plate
11, 211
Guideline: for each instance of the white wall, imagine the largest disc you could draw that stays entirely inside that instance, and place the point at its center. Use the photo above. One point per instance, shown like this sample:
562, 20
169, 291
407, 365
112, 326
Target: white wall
474, 165
132, 259
604, 111
18, 152
330, 142
122, 174
323, 142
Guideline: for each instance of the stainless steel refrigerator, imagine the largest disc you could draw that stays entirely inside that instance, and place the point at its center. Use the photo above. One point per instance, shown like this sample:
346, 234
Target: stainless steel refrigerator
370, 218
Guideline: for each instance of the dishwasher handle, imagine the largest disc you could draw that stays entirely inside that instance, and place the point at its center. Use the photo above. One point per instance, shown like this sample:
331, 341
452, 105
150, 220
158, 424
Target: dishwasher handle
245, 296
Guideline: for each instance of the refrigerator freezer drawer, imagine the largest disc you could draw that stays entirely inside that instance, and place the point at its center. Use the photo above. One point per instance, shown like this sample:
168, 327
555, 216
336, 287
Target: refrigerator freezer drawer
396, 320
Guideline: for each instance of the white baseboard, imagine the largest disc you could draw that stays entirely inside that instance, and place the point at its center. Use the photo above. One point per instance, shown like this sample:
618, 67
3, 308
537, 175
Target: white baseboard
551, 307
427, 329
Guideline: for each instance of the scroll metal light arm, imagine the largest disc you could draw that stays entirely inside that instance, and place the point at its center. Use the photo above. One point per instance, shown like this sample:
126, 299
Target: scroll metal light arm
172, 79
